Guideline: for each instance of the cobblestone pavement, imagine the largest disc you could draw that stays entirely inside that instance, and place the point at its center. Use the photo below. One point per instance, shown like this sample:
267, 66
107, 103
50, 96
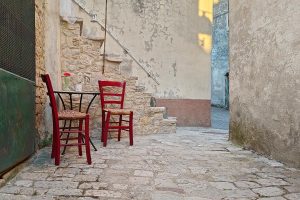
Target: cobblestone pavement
219, 118
193, 164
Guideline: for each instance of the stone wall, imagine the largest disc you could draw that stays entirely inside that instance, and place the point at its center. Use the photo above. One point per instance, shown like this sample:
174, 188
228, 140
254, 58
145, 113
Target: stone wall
40, 69
219, 54
265, 77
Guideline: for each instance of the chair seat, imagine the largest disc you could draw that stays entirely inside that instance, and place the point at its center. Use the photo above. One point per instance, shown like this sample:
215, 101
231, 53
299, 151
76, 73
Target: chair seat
71, 114
115, 111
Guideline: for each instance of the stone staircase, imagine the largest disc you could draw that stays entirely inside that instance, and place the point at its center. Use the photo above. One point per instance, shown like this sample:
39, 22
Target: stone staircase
81, 56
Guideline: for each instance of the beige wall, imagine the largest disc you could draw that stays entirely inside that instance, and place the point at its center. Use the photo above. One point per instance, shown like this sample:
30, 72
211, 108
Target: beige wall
52, 54
47, 61
265, 77
52, 41
164, 36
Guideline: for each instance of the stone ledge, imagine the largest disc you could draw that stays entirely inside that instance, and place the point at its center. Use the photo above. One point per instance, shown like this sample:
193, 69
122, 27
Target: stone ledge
170, 119
157, 109
99, 39
113, 59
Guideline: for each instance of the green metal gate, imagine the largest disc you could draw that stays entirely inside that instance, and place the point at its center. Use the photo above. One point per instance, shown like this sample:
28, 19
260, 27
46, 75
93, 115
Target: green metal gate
17, 81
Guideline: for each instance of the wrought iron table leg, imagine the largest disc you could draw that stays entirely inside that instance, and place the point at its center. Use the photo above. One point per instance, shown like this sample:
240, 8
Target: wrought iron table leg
91, 142
95, 149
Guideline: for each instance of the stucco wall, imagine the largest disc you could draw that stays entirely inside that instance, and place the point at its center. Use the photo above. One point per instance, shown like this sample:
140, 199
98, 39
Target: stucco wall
47, 61
164, 36
52, 53
265, 77
219, 57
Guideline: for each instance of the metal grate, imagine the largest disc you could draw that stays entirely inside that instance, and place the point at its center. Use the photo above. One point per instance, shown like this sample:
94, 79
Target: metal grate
17, 37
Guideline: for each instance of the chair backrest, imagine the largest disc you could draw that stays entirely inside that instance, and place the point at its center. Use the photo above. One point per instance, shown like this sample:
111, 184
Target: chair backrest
108, 95
46, 79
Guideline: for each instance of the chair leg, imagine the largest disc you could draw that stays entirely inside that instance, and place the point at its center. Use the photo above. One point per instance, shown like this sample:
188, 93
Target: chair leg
105, 132
53, 142
103, 125
87, 140
57, 148
131, 128
68, 136
54, 133
119, 131
80, 138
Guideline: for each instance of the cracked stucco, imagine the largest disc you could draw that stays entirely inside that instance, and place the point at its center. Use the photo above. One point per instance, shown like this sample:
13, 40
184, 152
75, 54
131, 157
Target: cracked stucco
160, 34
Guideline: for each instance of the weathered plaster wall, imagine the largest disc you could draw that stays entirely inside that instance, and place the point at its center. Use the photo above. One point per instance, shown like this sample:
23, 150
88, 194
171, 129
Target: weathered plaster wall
265, 77
47, 61
219, 54
163, 35
52, 53
52, 41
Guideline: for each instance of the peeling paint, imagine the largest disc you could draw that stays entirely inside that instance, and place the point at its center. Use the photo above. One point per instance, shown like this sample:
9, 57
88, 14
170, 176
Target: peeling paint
163, 37
174, 68
138, 6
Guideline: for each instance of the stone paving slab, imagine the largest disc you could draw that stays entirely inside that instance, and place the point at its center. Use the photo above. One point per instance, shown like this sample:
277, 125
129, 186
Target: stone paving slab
193, 164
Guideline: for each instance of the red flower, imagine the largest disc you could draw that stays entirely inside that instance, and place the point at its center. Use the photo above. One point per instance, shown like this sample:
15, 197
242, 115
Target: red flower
67, 74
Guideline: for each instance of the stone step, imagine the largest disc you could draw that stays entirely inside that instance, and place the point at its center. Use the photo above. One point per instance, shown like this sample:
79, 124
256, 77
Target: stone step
168, 125
140, 88
112, 69
113, 59
95, 38
158, 110
170, 120
133, 78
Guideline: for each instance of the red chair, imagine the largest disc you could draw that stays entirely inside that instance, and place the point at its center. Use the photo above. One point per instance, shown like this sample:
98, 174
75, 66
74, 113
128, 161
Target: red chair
112, 102
59, 131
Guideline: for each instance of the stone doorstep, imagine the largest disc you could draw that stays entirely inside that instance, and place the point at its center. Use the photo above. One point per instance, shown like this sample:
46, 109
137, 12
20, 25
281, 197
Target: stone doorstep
7, 176
170, 120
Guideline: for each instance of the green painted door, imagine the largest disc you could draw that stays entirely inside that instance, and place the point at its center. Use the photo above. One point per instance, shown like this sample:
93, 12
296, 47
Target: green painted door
17, 82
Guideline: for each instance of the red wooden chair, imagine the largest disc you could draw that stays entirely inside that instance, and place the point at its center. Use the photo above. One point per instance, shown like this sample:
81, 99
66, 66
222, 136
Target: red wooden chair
59, 131
112, 103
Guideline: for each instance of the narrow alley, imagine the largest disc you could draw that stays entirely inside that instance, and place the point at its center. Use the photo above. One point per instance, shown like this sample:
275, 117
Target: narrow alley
193, 164
203, 94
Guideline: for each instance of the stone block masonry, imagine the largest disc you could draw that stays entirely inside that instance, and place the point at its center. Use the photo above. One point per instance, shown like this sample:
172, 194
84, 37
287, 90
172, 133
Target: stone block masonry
40, 69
